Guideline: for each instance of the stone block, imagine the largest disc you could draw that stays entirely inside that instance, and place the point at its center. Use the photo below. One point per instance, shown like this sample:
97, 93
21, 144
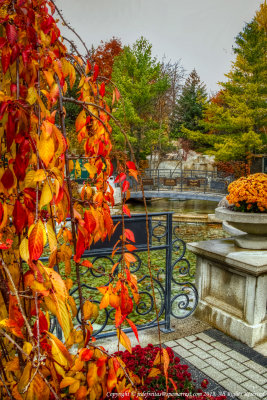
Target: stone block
232, 287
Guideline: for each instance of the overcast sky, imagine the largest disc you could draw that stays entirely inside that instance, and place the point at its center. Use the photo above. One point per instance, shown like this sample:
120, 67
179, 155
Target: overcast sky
199, 32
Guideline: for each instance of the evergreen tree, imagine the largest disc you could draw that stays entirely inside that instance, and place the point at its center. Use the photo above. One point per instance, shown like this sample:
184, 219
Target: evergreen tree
138, 77
235, 123
189, 108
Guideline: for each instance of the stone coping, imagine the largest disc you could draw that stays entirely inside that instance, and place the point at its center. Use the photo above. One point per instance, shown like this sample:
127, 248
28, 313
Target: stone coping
253, 262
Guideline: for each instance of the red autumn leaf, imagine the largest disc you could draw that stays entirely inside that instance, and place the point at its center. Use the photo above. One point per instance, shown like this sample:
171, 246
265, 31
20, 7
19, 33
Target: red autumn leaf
5, 59
96, 72
11, 33
36, 241
43, 324
117, 93
120, 178
14, 311
2, 42
125, 186
19, 216
10, 130
119, 318
126, 301
131, 165
86, 354
90, 222
126, 210
132, 325
102, 89
80, 247
129, 235
8, 179
3, 107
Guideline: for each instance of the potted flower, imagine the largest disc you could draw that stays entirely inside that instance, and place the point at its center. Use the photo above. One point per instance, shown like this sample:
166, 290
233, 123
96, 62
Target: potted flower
247, 210
150, 380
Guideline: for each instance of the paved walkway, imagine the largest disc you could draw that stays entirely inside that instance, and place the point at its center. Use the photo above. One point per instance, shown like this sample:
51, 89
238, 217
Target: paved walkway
232, 368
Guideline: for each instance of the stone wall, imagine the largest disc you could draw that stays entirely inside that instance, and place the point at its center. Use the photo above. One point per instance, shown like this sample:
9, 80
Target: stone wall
193, 161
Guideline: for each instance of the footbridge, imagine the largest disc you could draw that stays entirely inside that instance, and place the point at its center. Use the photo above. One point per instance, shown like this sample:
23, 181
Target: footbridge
182, 184
176, 195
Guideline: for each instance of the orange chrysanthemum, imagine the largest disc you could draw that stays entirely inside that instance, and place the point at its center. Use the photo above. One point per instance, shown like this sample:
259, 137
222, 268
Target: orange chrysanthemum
249, 193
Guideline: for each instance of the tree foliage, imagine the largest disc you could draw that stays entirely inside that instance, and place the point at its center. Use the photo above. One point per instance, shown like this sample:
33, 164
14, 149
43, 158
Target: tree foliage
234, 121
104, 55
140, 82
189, 106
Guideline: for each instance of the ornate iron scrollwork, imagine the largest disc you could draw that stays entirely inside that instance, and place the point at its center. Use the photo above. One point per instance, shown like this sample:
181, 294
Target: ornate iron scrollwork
174, 291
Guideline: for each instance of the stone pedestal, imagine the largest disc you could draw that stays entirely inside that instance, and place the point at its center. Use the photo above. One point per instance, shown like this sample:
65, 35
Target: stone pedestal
232, 288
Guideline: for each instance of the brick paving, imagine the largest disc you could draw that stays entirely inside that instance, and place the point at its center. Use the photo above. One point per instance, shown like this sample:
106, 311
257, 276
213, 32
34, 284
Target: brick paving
232, 368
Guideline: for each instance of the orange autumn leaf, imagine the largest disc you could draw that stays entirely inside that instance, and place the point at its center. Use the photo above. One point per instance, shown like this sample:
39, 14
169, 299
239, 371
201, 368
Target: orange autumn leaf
81, 393
80, 121
36, 241
129, 258
124, 340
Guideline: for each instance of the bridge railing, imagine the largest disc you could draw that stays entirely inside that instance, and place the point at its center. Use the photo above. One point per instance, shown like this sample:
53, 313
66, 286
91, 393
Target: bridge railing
183, 180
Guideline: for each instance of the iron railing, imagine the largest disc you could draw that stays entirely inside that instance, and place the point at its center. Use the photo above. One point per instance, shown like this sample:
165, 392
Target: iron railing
175, 292
183, 180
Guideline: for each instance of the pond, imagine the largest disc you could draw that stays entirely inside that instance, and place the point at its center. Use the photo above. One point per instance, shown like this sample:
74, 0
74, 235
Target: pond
177, 206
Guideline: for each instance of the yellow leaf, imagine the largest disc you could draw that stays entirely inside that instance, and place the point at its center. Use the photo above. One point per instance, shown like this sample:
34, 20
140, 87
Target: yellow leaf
12, 365
52, 240
27, 347
72, 75
29, 179
90, 310
92, 375
80, 121
105, 301
74, 387
72, 306
67, 382
24, 250
32, 95
46, 150
154, 372
124, 340
46, 195
71, 165
92, 170
49, 77
47, 129
39, 175
78, 170
58, 356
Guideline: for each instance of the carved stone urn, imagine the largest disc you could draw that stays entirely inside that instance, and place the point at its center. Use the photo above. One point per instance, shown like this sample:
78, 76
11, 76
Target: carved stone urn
254, 226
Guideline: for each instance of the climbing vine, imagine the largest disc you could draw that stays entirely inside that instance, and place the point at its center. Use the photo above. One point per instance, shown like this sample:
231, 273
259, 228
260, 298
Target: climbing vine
36, 201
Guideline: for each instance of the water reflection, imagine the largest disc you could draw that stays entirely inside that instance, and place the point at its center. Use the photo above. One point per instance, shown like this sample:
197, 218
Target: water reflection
177, 206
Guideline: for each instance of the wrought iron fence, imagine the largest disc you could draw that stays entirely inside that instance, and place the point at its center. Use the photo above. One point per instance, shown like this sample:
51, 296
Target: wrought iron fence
175, 292
184, 180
